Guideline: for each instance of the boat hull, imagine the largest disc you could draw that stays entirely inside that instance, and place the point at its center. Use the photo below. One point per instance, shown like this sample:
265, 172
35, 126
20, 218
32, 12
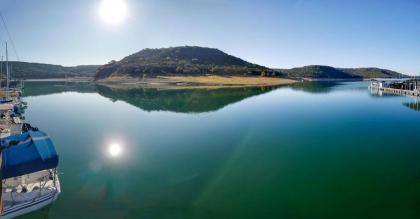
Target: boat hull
32, 205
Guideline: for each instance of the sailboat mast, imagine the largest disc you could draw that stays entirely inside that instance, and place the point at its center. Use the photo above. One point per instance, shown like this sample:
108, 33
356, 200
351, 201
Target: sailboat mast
1, 71
7, 69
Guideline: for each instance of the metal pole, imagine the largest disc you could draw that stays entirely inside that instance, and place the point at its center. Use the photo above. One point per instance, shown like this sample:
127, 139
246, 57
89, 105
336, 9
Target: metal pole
10, 72
1, 71
7, 70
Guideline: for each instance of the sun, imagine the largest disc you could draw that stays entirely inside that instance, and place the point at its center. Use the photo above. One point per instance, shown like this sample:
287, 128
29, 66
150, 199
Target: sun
113, 12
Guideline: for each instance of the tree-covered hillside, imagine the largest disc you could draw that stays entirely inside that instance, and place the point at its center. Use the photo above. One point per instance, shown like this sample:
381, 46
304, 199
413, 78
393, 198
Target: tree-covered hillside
193, 60
317, 71
187, 60
328, 72
373, 73
26, 70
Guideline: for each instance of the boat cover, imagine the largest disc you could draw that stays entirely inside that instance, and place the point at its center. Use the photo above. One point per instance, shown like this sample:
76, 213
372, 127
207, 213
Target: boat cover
27, 153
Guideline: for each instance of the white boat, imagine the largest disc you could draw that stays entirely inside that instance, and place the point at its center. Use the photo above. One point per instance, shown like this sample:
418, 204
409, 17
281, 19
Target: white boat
29, 173
40, 189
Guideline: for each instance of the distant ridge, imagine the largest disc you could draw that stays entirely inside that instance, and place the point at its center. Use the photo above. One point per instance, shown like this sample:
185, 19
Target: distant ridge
374, 73
27, 70
328, 72
190, 61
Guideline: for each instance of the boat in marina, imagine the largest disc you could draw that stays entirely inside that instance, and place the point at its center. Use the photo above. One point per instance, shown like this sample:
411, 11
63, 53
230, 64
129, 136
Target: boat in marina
28, 167
11, 105
28, 159
29, 173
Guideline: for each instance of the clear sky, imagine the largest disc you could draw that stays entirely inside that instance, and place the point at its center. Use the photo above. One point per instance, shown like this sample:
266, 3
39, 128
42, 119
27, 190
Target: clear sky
274, 33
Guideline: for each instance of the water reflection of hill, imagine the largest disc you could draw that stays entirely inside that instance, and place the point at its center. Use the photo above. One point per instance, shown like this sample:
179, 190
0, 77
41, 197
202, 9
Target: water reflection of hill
39, 88
183, 101
315, 87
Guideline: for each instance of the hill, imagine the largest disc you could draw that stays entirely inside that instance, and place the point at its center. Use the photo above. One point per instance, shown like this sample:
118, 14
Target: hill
328, 72
374, 73
317, 71
186, 60
26, 70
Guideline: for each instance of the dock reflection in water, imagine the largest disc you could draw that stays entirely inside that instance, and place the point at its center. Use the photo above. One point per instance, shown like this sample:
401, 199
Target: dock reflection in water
414, 105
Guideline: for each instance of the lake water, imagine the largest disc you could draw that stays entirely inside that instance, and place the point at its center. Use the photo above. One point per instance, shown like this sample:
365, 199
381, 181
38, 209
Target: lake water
315, 150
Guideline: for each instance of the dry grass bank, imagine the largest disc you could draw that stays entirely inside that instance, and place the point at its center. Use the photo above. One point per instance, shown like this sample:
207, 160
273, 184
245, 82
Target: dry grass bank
230, 80
199, 81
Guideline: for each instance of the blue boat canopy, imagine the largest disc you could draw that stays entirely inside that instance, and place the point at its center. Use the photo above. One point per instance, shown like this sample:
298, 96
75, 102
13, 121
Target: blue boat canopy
27, 153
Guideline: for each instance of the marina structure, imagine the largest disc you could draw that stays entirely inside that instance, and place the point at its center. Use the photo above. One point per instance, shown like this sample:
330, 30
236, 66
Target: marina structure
410, 87
28, 157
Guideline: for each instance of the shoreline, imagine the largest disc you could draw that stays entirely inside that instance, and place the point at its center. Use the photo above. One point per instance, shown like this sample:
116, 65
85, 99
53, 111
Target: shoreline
196, 82
209, 81
75, 79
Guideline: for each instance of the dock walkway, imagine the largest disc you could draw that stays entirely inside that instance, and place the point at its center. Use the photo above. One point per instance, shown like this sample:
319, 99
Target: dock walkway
415, 93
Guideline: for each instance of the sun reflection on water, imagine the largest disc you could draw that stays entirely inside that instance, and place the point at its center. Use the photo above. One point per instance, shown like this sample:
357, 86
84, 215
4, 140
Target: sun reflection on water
115, 149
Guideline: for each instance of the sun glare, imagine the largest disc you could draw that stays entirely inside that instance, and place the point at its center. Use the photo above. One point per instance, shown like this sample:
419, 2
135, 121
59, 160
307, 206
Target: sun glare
114, 149
113, 12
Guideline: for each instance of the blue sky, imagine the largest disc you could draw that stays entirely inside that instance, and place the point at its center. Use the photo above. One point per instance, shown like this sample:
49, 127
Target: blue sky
281, 33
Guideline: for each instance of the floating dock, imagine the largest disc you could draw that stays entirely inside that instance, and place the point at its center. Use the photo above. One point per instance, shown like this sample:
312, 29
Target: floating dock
408, 88
399, 91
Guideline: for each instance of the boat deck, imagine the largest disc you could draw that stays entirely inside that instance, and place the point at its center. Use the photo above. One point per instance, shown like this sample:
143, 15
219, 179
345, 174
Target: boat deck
22, 195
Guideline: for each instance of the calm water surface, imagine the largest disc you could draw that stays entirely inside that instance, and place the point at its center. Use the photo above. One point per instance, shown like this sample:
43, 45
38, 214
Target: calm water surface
317, 150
